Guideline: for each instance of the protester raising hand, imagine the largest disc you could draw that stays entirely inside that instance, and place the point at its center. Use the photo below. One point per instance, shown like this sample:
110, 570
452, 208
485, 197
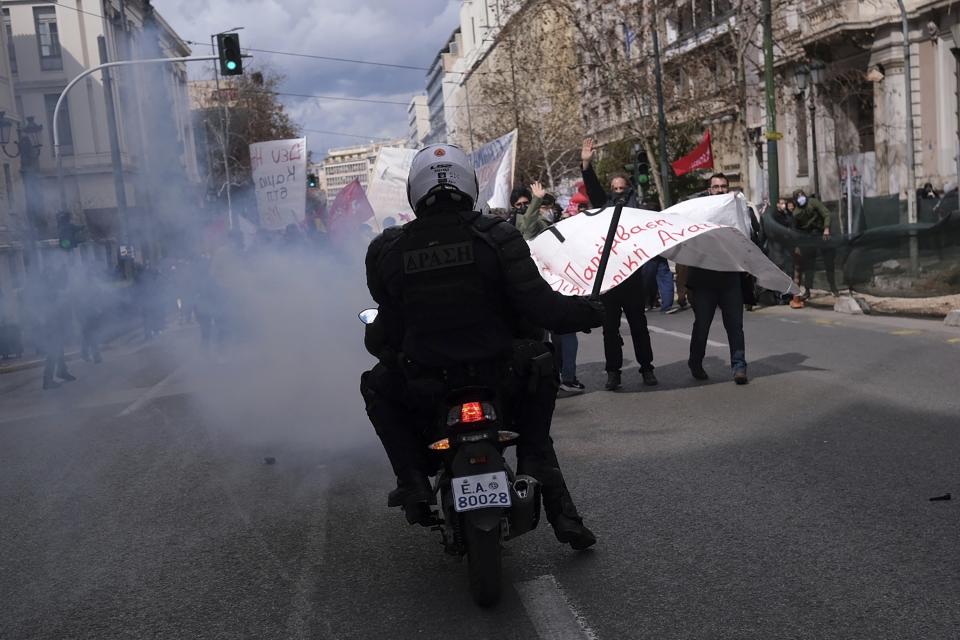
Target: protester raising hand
537, 190
586, 153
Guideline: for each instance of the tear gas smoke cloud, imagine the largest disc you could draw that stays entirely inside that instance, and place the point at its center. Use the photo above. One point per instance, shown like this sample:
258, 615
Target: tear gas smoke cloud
291, 371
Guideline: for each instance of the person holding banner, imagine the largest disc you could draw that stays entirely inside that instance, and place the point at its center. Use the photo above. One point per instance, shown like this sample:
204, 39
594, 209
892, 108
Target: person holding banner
710, 290
627, 299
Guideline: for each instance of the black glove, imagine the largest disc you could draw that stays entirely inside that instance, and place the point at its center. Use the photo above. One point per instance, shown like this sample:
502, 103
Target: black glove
598, 312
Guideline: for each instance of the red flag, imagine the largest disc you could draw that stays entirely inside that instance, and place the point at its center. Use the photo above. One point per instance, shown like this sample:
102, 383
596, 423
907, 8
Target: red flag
699, 158
349, 210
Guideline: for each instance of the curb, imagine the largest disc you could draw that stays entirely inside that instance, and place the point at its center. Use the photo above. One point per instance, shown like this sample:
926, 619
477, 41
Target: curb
68, 356
930, 308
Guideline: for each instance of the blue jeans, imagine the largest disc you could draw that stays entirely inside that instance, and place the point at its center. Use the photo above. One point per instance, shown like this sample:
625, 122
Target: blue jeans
567, 345
665, 285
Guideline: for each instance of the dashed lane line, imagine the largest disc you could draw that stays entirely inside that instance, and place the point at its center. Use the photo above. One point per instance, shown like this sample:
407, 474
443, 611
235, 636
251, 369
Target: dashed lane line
551, 613
150, 394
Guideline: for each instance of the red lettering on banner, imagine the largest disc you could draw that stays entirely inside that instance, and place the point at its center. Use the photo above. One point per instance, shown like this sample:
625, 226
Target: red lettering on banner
572, 274
666, 237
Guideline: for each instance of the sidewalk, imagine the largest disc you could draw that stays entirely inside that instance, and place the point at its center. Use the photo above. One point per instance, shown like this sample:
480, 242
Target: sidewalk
937, 307
20, 364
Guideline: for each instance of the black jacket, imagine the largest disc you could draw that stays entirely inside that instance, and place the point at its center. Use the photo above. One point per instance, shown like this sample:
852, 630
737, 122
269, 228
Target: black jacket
600, 198
456, 288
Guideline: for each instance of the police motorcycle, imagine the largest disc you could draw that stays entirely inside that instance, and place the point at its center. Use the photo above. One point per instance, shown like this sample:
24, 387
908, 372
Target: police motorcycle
482, 502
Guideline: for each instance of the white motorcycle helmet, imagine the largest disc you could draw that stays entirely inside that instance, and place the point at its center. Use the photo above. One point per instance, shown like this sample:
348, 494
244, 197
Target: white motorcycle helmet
442, 170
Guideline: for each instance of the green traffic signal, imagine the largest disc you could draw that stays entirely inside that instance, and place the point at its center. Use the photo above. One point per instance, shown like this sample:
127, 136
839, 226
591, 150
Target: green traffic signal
228, 50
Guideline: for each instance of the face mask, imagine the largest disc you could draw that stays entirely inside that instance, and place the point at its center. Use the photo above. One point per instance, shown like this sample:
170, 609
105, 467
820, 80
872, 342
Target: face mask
802, 200
549, 215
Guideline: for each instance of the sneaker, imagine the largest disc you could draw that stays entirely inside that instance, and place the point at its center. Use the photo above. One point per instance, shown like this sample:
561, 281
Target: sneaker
698, 372
740, 376
649, 378
613, 381
568, 389
66, 377
797, 303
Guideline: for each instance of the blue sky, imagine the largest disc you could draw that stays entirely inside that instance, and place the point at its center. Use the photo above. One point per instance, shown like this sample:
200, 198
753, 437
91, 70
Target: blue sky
403, 32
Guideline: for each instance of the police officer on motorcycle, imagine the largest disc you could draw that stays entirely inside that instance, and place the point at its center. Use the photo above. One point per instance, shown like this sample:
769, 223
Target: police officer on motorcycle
462, 303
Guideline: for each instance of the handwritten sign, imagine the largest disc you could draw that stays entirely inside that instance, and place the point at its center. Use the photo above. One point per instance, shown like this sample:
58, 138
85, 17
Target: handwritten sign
279, 170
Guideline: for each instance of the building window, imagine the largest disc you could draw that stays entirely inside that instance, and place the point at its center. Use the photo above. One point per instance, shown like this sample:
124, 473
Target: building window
803, 164
66, 134
865, 123
11, 50
48, 39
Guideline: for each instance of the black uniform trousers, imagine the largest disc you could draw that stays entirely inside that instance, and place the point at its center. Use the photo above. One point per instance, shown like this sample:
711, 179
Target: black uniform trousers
626, 299
404, 410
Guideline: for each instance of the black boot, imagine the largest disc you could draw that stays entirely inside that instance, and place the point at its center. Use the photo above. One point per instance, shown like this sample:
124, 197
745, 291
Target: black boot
561, 513
415, 495
613, 380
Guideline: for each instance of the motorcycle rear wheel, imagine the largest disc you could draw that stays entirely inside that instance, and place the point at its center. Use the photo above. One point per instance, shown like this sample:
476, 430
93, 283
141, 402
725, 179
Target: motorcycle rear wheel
484, 565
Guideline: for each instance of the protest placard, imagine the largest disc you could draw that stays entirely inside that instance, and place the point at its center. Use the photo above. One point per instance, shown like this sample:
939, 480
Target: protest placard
279, 176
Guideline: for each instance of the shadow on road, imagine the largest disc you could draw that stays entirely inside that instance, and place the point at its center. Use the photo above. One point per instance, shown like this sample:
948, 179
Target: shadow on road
676, 375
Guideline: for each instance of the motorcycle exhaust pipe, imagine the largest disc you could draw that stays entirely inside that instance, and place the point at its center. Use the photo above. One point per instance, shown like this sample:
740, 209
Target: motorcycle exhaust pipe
525, 512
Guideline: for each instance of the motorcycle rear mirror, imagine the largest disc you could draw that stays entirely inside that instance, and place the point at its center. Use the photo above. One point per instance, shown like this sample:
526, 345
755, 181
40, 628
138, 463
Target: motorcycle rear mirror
367, 316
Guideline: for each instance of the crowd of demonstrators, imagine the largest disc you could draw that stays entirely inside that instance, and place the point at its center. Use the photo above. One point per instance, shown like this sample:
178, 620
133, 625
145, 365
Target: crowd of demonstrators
543, 211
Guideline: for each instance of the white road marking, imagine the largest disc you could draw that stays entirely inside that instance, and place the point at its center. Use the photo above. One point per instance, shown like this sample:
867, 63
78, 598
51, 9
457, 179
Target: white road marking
550, 612
151, 393
684, 336
312, 558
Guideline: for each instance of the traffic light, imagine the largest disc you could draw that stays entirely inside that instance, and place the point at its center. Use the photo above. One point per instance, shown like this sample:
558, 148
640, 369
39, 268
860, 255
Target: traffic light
231, 60
68, 234
312, 181
643, 168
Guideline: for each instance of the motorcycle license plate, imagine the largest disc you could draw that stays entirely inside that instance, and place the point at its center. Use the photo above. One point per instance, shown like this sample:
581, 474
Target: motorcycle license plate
481, 492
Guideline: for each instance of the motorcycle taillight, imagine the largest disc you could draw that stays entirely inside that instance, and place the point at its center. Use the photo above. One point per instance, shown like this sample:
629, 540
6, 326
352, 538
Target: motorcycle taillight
471, 412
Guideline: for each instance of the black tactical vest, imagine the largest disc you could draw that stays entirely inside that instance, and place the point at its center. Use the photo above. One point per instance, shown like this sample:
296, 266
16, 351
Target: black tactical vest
453, 310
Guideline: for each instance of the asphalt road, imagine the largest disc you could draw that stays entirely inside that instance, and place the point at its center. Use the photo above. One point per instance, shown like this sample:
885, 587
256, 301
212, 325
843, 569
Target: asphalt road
137, 502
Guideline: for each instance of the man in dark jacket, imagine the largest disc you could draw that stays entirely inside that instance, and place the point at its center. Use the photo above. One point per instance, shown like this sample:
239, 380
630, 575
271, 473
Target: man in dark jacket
712, 289
629, 297
457, 293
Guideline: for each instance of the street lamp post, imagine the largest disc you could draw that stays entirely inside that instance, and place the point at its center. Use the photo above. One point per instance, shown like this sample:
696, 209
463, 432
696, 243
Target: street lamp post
811, 75
28, 147
911, 157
